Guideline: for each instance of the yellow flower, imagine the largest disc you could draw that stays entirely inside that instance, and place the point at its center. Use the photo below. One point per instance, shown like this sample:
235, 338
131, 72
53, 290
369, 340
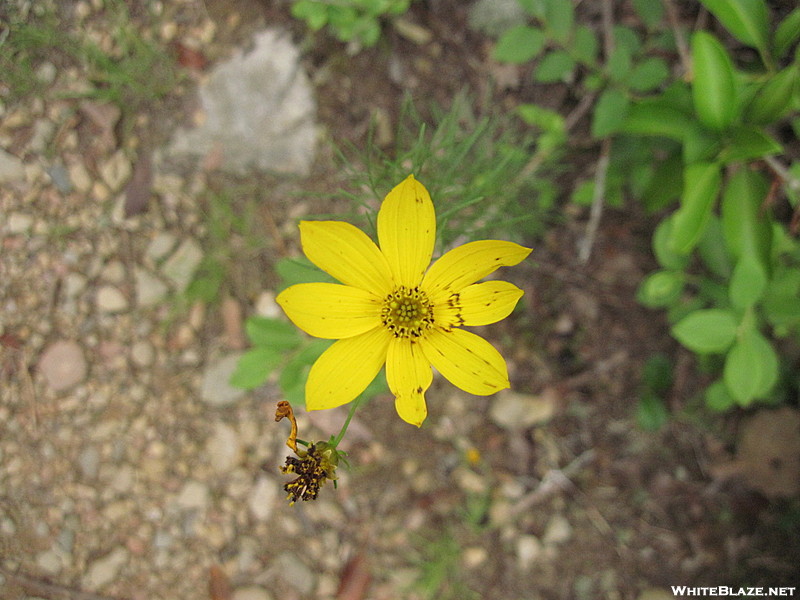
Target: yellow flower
392, 309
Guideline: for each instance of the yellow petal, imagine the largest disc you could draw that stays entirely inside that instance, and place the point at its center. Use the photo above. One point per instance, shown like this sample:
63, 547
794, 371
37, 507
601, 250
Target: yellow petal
409, 375
407, 231
347, 254
330, 310
488, 302
466, 264
466, 360
346, 369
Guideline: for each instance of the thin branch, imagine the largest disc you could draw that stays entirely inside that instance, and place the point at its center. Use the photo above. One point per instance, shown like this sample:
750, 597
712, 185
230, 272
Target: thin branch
51, 591
598, 201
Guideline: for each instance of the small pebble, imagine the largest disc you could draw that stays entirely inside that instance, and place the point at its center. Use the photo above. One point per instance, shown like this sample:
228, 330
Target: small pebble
105, 570
63, 365
111, 300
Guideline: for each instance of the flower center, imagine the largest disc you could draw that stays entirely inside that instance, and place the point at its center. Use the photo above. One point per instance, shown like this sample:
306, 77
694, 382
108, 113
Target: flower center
407, 312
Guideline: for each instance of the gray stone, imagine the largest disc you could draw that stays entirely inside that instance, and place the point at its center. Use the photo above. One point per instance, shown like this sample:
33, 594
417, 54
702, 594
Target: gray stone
216, 388
514, 411
18, 223
142, 353
161, 245
493, 17
111, 300
224, 448
180, 267
89, 462
194, 494
258, 112
150, 290
63, 365
105, 570
262, 498
11, 168
251, 593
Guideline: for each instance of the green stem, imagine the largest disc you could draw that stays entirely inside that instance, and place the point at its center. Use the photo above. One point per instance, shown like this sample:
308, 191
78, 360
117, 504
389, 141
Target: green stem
353, 406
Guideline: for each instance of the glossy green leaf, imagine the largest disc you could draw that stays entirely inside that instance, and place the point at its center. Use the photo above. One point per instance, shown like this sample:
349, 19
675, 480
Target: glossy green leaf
653, 117
747, 231
748, 282
254, 367
619, 64
701, 144
748, 142
559, 19
272, 333
751, 368
718, 398
661, 190
787, 33
519, 45
661, 248
747, 20
554, 66
627, 38
609, 112
781, 302
712, 250
701, 184
774, 98
660, 289
648, 74
713, 83
709, 331
584, 45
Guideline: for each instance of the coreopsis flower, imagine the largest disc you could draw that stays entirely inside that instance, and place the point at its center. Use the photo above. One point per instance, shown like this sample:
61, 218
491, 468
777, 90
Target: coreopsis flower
391, 309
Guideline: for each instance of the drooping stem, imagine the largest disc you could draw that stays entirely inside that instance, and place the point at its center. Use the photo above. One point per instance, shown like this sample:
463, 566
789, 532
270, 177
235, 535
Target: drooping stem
353, 406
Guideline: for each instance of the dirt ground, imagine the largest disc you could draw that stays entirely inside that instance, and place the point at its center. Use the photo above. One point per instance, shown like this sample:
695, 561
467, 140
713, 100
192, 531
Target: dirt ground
584, 505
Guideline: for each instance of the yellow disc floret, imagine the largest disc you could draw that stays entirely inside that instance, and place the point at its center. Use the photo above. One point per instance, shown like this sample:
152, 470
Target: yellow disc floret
407, 312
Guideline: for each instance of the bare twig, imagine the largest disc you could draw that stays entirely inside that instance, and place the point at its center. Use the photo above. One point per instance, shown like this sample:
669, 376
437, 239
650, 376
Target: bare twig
554, 481
598, 199
51, 591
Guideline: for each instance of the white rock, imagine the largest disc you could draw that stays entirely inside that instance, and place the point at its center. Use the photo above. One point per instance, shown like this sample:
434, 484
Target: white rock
116, 170
89, 462
558, 530
80, 177
262, 498
266, 305
194, 494
111, 300
161, 245
49, 561
224, 448
19, 223
216, 389
105, 570
142, 353
150, 290
258, 111
512, 410
11, 168
182, 264
251, 593
529, 549
63, 365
